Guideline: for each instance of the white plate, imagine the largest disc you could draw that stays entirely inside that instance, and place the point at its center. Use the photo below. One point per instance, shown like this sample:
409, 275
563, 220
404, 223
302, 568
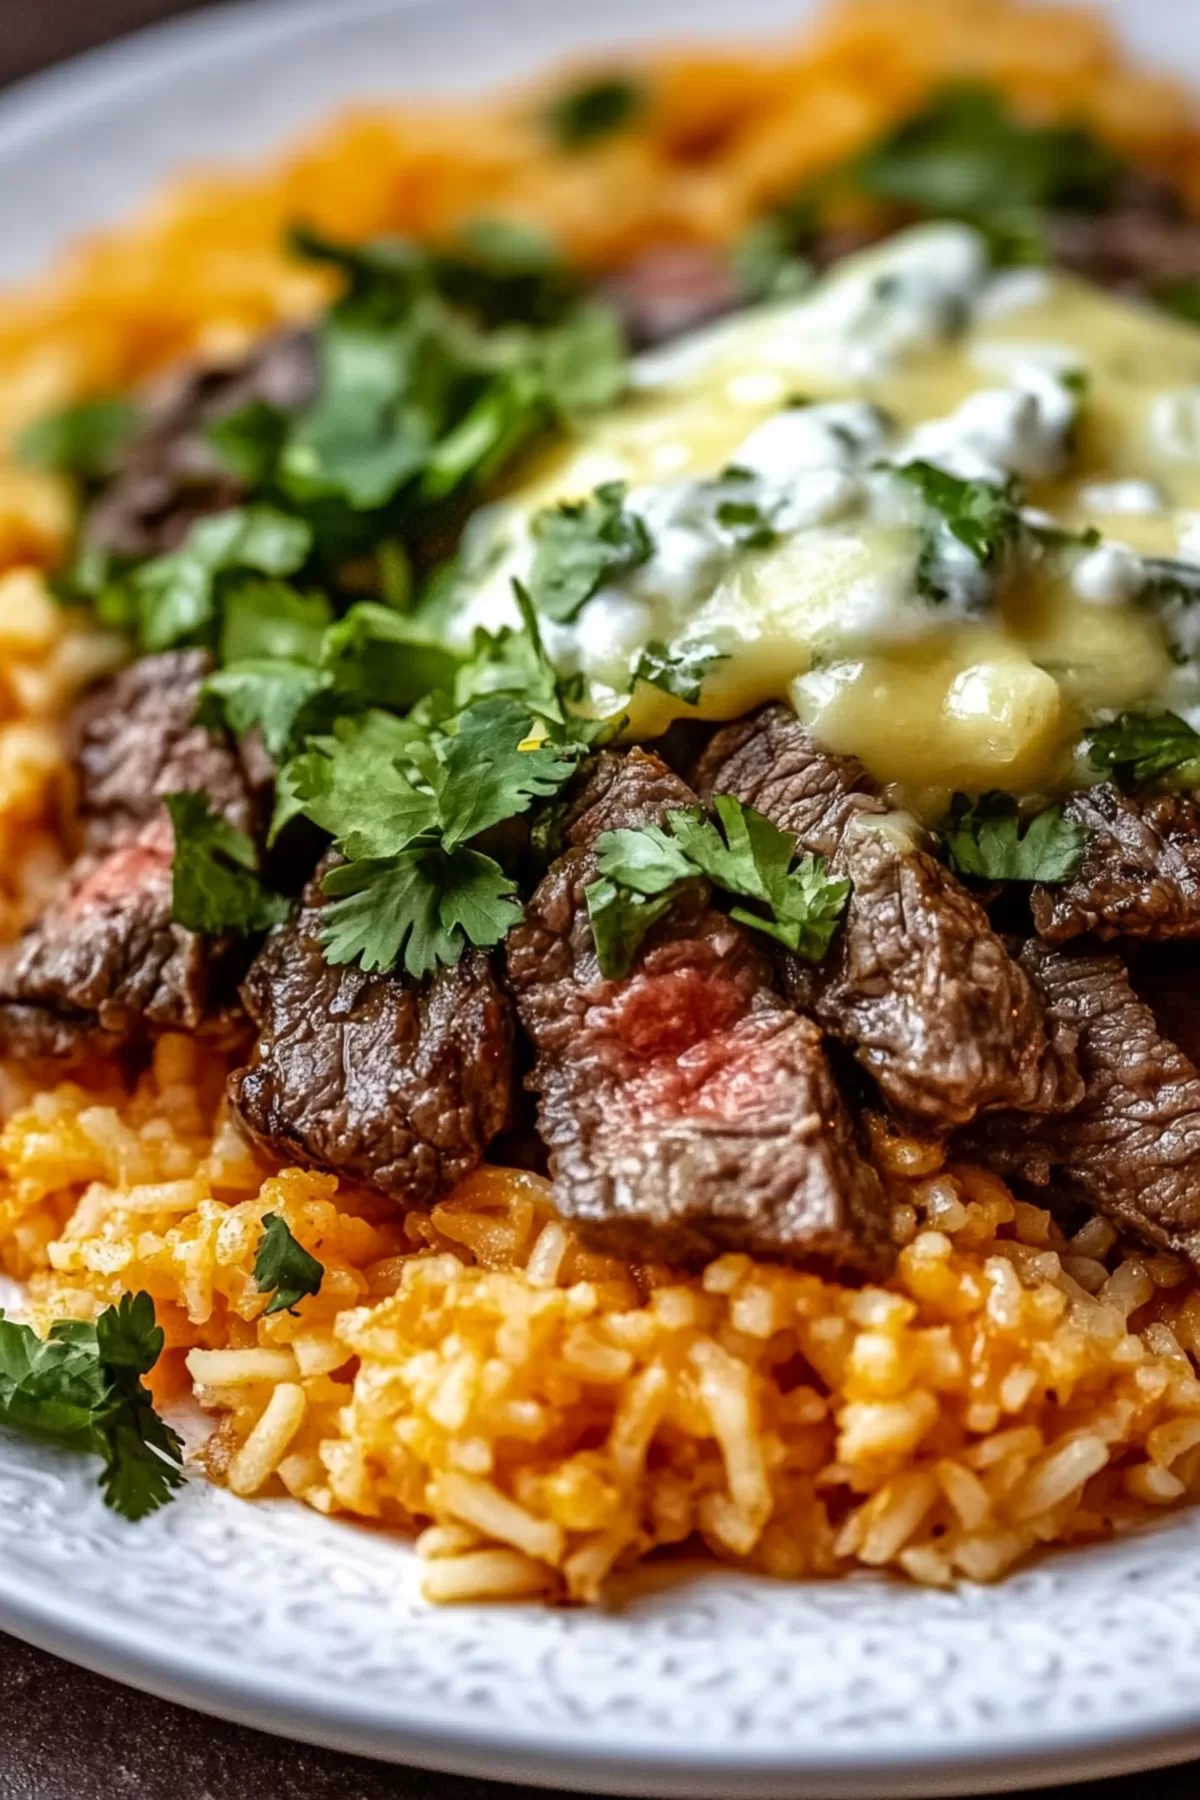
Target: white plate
713, 1683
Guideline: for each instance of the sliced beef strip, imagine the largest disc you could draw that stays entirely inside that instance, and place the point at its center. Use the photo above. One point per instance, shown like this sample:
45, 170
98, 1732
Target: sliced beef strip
171, 475
398, 1084
1140, 876
686, 1109
1131, 1148
916, 983
105, 965
134, 740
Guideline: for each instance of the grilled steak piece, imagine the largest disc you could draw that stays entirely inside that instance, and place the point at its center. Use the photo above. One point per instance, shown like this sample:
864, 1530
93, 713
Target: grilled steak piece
686, 1109
134, 741
1140, 876
1133, 249
916, 983
105, 965
1131, 1148
397, 1084
171, 475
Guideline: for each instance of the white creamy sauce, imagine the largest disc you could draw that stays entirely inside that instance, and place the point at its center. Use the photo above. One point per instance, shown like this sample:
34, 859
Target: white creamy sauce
891, 635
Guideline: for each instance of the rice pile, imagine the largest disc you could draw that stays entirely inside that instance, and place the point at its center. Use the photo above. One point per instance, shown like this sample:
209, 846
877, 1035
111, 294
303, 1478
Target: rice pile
535, 1415
540, 1416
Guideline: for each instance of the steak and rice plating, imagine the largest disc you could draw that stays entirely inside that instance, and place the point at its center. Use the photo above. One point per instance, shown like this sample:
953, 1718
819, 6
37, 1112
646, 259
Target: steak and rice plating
724, 1111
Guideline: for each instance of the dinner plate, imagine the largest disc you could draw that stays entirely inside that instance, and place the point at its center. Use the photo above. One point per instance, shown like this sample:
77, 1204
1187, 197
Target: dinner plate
690, 1681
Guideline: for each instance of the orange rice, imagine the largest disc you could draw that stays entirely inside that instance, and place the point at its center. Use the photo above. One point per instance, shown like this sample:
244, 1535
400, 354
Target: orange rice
535, 1415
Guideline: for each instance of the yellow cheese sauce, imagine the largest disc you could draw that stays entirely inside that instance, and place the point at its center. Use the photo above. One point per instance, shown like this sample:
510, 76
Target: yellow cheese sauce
931, 699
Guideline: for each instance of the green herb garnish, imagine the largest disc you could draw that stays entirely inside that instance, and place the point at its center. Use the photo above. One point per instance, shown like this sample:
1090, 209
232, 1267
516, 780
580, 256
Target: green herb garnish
749, 857
597, 108
81, 1388
1140, 748
283, 1268
679, 672
84, 441
581, 544
992, 840
215, 887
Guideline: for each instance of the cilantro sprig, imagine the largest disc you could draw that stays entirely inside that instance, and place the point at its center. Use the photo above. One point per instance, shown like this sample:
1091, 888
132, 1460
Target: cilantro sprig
283, 1268
1141, 748
642, 870
215, 887
679, 672
81, 1388
580, 544
991, 839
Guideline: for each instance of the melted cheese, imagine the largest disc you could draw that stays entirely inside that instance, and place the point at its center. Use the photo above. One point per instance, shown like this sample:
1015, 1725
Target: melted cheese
910, 350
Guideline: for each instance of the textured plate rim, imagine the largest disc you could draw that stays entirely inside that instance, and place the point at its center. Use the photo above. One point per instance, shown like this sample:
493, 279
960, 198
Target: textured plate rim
33, 112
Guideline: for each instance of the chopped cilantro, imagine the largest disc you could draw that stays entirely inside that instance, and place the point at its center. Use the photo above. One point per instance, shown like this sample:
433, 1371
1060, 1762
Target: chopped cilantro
581, 544
748, 857
275, 696
679, 672
980, 514
967, 156
215, 887
84, 440
746, 523
81, 1388
1181, 298
766, 265
268, 618
384, 658
177, 598
991, 838
620, 918
420, 908
1140, 748
593, 110
283, 1268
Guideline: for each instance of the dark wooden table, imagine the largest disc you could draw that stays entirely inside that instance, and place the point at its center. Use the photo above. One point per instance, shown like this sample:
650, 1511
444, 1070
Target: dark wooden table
68, 1735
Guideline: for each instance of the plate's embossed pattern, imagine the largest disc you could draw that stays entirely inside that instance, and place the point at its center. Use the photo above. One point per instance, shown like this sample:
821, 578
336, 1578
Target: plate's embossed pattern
698, 1658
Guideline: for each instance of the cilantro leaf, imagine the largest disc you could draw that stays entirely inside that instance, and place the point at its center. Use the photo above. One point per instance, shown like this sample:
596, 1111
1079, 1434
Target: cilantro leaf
482, 774
273, 695
1141, 747
352, 785
422, 906
385, 658
765, 262
991, 839
215, 887
620, 919
980, 514
85, 440
593, 110
266, 618
746, 523
249, 440
175, 597
749, 857
581, 544
81, 1388
967, 156
679, 672
283, 1268
1181, 298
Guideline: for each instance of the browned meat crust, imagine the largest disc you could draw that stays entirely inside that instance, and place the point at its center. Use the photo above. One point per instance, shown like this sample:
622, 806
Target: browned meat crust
105, 965
917, 982
1131, 1148
1140, 876
394, 1083
686, 1109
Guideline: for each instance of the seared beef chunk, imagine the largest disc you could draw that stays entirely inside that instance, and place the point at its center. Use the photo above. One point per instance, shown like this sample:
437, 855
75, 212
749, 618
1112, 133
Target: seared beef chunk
1140, 876
105, 965
171, 476
1134, 249
916, 982
134, 741
396, 1084
686, 1109
1131, 1148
